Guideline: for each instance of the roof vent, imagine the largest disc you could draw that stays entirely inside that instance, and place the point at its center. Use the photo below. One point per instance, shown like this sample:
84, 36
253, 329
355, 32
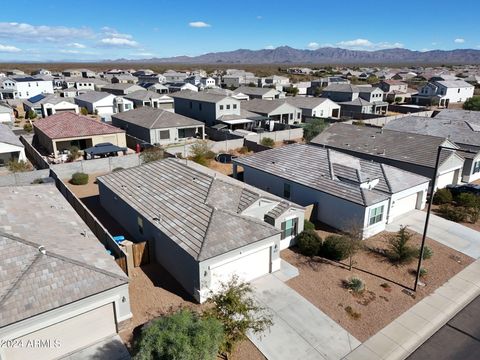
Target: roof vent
84, 233
372, 136
42, 250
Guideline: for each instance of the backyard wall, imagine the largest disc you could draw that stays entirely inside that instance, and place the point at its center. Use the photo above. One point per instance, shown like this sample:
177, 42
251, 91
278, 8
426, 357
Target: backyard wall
23, 178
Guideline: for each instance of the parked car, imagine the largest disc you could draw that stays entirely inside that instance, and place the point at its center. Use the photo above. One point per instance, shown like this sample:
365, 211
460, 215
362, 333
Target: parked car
464, 188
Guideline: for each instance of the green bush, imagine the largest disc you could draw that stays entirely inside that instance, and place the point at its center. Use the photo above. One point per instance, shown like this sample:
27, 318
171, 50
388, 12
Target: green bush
313, 128
308, 225
309, 243
201, 152
243, 150
266, 141
456, 214
28, 127
74, 153
423, 272
79, 179
183, 335
442, 196
83, 111
334, 248
427, 253
467, 200
355, 284
31, 114
400, 251
18, 166
472, 104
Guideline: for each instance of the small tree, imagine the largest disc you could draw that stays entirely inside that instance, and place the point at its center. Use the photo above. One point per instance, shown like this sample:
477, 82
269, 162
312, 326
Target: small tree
74, 153
292, 90
83, 111
31, 114
398, 99
309, 243
28, 127
442, 196
239, 313
313, 128
399, 250
152, 154
318, 91
201, 152
472, 104
353, 240
266, 141
183, 335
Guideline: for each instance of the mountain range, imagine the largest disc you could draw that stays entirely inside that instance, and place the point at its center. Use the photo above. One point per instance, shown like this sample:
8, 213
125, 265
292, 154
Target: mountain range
325, 55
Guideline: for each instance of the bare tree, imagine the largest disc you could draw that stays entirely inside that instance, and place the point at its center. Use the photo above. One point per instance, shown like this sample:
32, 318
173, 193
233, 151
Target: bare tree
353, 240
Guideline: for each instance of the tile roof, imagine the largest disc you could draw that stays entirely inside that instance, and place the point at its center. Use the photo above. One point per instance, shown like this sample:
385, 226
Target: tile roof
454, 83
332, 172
145, 95
306, 102
261, 106
198, 211
73, 267
388, 144
121, 86
8, 137
69, 125
259, 91
200, 96
152, 118
46, 99
93, 96
342, 88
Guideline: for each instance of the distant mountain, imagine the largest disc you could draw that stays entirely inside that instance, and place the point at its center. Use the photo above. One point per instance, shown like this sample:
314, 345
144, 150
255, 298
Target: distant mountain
326, 55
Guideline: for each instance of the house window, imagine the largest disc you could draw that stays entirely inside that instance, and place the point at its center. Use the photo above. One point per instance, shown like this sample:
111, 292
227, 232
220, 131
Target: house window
476, 167
140, 224
298, 115
228, 107
164, 134
286, 191
200, 106
291, 116
234, 106
221, 107
289, 228
376, 215
191, 105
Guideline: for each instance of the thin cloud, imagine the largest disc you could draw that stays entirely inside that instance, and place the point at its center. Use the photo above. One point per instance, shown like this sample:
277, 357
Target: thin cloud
459, 41
77, 45
364, 44
24, 31
9, 49
117, 41
313, 45
198, 24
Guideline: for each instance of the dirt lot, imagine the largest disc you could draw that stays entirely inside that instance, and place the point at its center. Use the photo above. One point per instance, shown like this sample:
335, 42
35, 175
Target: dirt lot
320, 281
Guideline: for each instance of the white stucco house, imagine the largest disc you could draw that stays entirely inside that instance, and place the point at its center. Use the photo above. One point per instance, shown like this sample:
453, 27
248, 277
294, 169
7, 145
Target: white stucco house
24, 87
103, 104
63, 293
344, 190
211, 224
10, 146
315, 107
6, 114
46, 105
449, 91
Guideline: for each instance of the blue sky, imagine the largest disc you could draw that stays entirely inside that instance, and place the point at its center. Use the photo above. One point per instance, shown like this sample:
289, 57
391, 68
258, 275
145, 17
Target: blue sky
106, 29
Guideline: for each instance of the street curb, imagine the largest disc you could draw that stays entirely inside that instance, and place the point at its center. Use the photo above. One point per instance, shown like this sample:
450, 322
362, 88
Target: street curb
405, 334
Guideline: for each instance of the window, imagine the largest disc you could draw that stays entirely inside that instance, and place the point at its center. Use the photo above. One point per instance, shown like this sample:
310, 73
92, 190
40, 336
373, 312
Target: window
298, 115
140, 224
228, 107
200, 106
191, 105
234, 106
289, 228
376, 215
164, 134
221, 107
286, 191
476, 167
291, 116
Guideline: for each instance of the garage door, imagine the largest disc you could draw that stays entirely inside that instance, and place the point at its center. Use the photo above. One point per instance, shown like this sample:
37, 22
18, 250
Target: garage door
71, 335
247, 268
104, 110
403, 205
445, 179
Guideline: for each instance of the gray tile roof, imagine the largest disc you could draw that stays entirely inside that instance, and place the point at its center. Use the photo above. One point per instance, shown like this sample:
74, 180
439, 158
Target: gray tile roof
256, 91
342, 88
261, 106
332, 172
200, 212
144, 95
152, 118
8, 137
92, 96
389, 144
199, 96
460, 126
305, 102
358, 102
47, 99
74, 266
454, 83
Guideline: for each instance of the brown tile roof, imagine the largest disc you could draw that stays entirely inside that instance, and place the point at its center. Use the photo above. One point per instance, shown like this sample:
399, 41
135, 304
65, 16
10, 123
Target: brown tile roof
69, 125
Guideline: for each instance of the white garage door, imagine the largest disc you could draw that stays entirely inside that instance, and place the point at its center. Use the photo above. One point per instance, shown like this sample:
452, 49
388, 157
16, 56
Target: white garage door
71, 335
104, 110
247, 268
403, 205
445, 179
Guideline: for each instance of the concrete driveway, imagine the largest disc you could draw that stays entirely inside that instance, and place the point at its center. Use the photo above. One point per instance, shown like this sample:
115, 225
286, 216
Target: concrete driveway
456, 236
300, 330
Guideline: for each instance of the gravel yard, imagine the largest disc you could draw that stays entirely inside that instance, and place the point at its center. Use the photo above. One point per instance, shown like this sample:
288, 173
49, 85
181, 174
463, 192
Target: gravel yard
384, 299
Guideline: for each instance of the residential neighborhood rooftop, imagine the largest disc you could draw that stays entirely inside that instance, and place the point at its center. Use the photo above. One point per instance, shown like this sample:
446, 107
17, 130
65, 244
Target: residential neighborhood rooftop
199, 96
8, 137
151, 118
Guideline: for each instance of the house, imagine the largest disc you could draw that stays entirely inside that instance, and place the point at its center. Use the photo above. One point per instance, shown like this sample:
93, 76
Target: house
410, 152
236, 78
49, 104
346, 191
72, 73
193, 79
124, 79
301, 86
102, 103
24, 88
63, 294
459, 126
214, 226
275, 80
152, 78
374, 95
59, 132
7, 114
174, 76
341, 92
121, 89
207, 82
158, 88
11, 149
317, 85
236, 95
444, 93
278, 111
81, 84
150, 98
313, 107
41, 72
259, 93
205, 106
396, 91
180, 86
157, 126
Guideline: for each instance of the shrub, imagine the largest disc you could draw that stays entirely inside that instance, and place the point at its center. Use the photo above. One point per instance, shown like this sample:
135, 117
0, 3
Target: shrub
201, 152
117, 169
472, 104
427, 253
38, 181
28, 127
313, 128
398, 99
183, 335
353, 314
399, 250
83, 111
266, 141
239, 313
309, 243
334, 248
467, 200
355, 284
442, 196
79, 179
423, 272
308, 225
74, 153
243, 150
474, 214
151, 154
456, 214
31, 114
18, 166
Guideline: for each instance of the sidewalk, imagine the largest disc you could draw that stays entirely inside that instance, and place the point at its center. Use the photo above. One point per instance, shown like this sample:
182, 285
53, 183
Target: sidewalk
402, 336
